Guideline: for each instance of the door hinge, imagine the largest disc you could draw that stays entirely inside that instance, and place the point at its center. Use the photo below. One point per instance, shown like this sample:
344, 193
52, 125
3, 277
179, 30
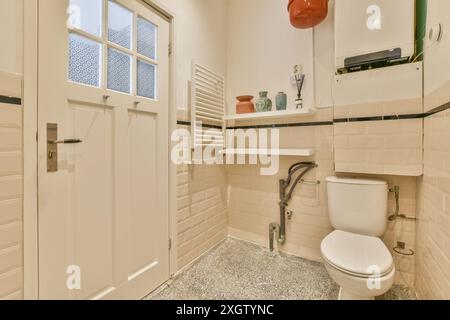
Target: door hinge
37, 137
170, 49
170, 244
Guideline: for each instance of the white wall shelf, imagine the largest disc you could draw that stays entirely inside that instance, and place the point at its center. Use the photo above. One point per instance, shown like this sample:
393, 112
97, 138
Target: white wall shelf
270, 152
270, 115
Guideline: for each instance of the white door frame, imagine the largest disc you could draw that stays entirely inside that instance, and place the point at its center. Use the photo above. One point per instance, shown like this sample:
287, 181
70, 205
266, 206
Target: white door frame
30, 120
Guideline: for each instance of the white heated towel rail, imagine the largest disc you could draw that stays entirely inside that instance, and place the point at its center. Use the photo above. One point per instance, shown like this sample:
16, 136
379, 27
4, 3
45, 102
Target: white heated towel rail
207, 108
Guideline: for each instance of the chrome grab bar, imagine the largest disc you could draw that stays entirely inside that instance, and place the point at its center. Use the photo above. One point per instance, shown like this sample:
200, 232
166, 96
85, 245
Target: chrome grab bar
310, 183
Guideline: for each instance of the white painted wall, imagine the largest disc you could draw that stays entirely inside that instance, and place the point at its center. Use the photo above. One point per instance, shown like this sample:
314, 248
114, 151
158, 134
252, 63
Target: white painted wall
437, 56
262, 50
11, 35
200, 31
324, 59
201, 35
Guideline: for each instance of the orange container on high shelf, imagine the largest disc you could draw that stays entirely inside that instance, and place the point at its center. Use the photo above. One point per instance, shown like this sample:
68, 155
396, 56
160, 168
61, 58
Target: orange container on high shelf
307, 13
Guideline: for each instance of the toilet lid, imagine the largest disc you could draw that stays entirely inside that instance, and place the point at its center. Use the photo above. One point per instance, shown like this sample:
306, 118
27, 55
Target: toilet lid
357, 254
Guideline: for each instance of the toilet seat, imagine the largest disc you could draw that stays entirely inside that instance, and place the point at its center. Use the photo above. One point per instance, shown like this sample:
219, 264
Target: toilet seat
357, 255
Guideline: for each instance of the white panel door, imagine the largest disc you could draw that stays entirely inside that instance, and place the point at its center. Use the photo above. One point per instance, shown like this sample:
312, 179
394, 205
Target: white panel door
103, 212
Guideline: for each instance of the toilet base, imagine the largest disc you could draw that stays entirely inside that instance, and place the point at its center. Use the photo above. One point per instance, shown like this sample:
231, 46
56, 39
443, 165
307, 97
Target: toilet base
346, 295
356, 288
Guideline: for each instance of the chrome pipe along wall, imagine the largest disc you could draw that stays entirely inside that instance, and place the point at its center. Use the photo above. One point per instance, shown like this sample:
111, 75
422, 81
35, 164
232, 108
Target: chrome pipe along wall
285, 196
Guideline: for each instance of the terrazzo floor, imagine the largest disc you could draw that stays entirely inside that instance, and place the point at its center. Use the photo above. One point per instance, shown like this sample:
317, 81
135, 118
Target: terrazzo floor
238, 270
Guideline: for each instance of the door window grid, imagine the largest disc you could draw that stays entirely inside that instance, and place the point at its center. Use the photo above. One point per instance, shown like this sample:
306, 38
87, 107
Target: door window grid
120, 25
140, 77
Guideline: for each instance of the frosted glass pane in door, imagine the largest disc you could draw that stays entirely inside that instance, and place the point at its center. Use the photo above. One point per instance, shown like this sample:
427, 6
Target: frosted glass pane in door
146, 80
120, 25
146, 38
119, 71
86, 15
85, 60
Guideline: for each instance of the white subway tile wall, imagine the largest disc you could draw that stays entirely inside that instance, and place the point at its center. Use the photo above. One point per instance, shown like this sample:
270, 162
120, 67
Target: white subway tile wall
11, 191
433, 227
437, 97
380, 147
202, 218
385, 108
202, 208
402, 230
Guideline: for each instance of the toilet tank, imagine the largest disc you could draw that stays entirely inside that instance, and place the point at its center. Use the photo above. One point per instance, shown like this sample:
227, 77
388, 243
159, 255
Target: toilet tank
358, 205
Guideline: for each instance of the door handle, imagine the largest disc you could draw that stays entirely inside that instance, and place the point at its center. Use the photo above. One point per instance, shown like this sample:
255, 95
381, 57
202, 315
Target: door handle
52, 146
66, 141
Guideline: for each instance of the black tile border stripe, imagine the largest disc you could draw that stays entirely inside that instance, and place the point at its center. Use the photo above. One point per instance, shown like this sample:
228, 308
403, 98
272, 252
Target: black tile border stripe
10, 100
188, 123
284, 125
183, 123
382, 118
411, 116
364, 119
441, 108
265, 126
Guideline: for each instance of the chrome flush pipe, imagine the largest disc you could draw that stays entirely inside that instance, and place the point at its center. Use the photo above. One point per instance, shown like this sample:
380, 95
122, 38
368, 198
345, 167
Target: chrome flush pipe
396, 215
285, 197
396, 191
273, 230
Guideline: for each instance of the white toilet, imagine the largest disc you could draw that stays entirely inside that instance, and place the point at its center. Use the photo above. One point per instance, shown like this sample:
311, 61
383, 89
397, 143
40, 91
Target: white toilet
354, 255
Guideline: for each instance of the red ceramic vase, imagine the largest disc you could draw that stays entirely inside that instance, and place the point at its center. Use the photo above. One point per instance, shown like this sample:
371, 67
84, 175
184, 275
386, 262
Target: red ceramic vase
307, 13
245, 105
